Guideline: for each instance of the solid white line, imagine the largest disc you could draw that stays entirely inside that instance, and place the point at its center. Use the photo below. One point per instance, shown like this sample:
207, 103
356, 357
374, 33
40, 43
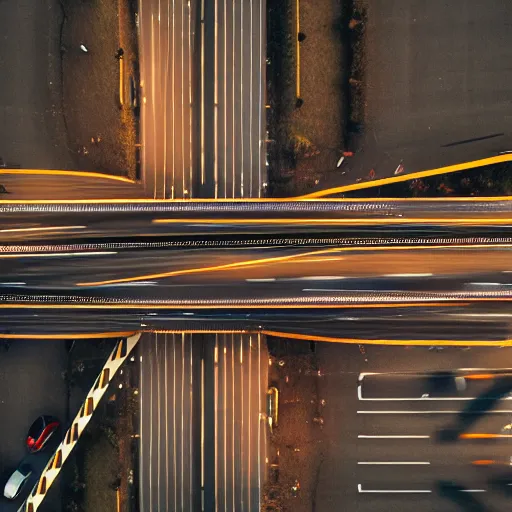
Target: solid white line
392, 463
390, 491
492, 411
392, 437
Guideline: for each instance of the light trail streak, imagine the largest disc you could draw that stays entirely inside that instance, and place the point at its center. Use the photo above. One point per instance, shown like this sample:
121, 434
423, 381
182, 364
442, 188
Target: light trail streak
342, 222
413, 175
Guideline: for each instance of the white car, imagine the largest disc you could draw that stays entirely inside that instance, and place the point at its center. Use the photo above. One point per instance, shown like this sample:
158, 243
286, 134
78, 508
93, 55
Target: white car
17, 481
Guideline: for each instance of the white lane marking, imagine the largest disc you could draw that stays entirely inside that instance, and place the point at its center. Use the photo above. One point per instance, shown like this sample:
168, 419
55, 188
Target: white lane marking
473, 490
393, 463
361, 436
435, 412
392, 491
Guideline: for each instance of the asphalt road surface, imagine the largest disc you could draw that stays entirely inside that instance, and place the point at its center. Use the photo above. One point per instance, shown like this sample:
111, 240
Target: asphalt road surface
233, 90
436, 86
30, 186
31, 384
203, 106
382, 436
259, 272
202, 439
32, 127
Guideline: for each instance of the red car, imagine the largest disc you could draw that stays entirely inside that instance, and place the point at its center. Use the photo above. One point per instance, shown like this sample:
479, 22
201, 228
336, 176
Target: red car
40, 432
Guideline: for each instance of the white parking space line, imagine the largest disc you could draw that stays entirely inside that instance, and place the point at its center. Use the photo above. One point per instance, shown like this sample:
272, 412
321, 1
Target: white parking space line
421, 398
392, 437
393, 491
393, 463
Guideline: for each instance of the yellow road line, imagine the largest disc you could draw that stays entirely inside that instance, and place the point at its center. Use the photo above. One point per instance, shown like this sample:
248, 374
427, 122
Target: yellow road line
80, 336
215, 268
58, 172
342, 222
296, 258
385, 305
139, 200
360, 341
411, 176
485, 436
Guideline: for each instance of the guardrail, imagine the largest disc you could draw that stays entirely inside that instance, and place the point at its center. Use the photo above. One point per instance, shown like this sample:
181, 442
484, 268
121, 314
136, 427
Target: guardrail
54, 466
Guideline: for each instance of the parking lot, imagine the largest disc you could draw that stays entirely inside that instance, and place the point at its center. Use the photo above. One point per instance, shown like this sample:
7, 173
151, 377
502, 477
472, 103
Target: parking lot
31, 384
401, 432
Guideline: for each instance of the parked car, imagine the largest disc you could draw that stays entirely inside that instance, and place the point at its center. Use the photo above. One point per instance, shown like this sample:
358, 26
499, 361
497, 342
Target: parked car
16, 481
40, 432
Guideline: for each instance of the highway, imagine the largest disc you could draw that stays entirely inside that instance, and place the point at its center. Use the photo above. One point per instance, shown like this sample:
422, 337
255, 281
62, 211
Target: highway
383, 433
202, 440
264, 272
38, 221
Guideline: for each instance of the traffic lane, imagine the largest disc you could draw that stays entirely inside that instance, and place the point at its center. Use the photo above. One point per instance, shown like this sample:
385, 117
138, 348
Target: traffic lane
359, 220
433, 102
31, 385
169, 376
305, 270
166, 75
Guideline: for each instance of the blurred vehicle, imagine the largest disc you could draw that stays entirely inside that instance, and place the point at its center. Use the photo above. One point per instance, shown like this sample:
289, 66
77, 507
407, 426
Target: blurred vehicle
272, 406
16, 481
40, 432
492, 462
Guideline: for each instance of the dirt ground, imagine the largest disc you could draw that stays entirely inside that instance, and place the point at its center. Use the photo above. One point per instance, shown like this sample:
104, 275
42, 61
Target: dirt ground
295, 444
102, 132
308, 129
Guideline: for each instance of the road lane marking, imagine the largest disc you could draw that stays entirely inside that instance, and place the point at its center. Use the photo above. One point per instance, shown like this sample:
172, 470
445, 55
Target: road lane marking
392, 437
391, 491
392, 463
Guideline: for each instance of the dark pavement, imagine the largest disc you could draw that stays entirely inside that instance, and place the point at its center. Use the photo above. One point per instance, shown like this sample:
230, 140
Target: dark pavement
202, 439
31, 385
234, 95
355, 432
32, 127
436, 87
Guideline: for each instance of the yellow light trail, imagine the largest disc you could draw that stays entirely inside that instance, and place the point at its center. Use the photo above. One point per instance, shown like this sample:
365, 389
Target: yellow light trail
250, 306
370, 221
59, 172
81, 336
293, 258
138, 200
215, 268
485, 436
359, 341
411, 176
